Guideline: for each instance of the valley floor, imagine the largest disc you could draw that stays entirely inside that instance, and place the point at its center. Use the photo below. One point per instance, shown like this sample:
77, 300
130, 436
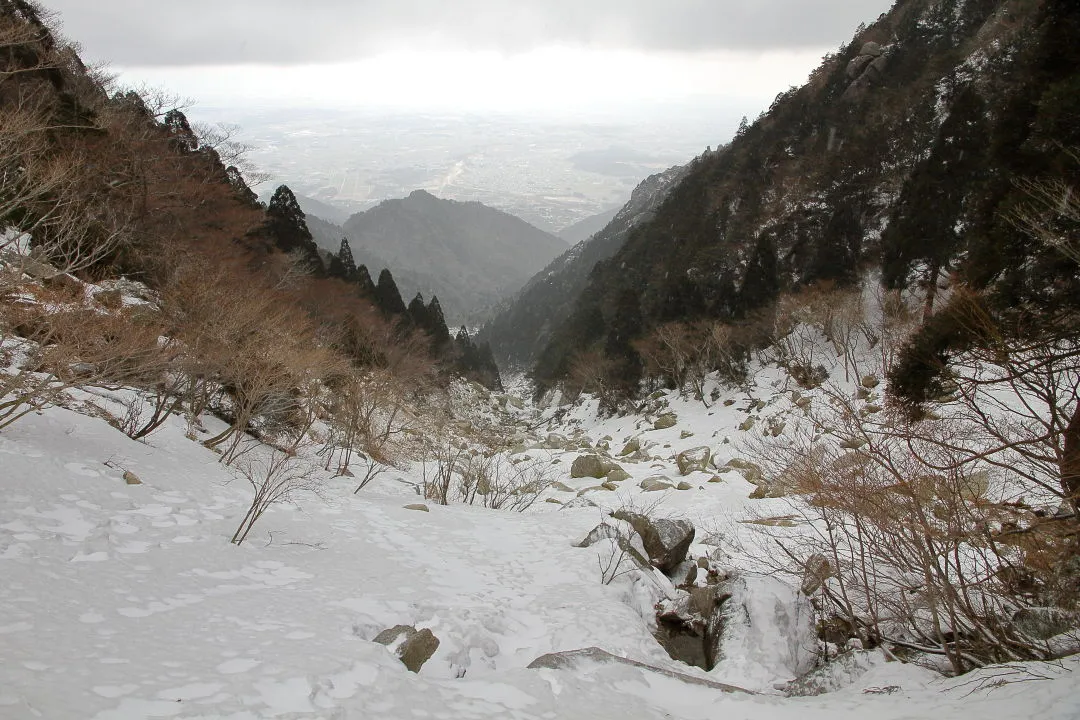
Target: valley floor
120, 602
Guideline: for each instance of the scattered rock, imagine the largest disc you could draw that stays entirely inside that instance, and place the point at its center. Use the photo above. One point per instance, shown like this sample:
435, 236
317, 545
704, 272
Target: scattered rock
871, 49
870, 382
417, 506
685, 434
413, 647
666, 541
617, 474
665, 421
579, 502
862, 393
554, 441
609, 485
684, 486
751, 471
748, 424
631, 446
693, 460
716, 479
562, 487
655, 482
131, 478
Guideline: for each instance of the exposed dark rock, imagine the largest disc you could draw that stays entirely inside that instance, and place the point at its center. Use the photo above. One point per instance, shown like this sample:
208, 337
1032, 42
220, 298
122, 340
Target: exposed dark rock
413, 647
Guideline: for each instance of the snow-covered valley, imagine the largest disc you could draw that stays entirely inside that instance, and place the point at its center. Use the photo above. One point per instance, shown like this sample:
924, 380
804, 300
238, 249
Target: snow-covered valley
128, 601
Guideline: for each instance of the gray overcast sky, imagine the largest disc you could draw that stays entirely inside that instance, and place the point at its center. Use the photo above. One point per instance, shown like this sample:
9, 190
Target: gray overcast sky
218, 32
510, 55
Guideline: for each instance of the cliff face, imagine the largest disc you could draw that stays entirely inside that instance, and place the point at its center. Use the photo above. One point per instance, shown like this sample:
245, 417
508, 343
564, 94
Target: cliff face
901, 151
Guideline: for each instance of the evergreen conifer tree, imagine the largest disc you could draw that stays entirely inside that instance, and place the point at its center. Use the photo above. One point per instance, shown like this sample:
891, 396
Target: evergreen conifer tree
287, 225
387, 295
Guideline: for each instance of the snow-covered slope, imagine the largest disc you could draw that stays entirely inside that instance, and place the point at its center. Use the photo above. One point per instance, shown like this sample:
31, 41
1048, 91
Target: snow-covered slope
127, 601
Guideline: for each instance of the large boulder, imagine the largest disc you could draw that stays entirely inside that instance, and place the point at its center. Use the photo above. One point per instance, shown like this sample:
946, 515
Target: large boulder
413, 647
693, 460
593, 466
665, 421
665, 541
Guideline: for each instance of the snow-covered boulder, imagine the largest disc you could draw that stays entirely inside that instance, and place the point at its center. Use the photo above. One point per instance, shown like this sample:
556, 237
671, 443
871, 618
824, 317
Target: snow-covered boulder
693, 460
666, 541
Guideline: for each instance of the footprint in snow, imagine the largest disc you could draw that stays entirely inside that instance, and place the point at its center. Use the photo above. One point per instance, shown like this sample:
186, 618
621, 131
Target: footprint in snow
82, 470
237, 665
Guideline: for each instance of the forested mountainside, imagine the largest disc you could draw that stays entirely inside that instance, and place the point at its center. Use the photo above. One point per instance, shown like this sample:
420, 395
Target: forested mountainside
906, 150
100, 182
470, 255
523, 326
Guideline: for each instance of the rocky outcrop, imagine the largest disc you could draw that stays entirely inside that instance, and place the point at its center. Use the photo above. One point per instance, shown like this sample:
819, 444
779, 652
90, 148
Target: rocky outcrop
865, 70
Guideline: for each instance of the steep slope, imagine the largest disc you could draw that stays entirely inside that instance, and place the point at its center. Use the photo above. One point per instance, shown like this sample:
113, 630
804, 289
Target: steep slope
585, 229
902, 150
470, 255
523, 326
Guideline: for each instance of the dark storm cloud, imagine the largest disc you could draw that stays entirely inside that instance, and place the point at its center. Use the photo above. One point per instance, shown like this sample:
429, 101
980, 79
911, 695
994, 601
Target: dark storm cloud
161, 32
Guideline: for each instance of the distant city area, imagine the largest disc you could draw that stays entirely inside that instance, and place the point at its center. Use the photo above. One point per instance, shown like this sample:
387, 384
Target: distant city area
551, 173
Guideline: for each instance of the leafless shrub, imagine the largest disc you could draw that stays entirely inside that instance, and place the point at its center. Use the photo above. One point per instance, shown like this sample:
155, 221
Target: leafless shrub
275, 478
499, 483
917, 536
